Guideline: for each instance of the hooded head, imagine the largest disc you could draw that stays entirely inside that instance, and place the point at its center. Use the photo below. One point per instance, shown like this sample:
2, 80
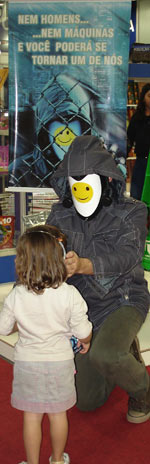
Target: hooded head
62, 113
88, 176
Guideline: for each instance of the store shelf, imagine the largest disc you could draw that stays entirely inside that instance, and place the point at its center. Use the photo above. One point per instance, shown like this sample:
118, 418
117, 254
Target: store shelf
7, 251
4, 132
139, 71
132, 105
7, 265
7, 346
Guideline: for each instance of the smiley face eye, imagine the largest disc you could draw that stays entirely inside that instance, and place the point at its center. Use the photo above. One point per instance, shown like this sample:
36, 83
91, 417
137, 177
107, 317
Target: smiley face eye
74, 188
87, 188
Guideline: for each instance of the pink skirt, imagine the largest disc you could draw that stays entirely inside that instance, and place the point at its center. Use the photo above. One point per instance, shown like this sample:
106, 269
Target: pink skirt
43, 387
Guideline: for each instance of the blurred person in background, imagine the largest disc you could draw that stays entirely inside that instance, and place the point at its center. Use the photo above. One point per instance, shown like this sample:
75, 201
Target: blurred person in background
138, 135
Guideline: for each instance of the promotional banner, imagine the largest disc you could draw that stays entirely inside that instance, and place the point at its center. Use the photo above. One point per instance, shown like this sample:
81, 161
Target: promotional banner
68, 75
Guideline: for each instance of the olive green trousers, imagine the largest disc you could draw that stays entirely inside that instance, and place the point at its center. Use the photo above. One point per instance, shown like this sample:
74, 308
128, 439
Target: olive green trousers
109, 361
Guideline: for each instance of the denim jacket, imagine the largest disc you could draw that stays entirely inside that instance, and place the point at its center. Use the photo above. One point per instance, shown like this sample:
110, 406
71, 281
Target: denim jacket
113, 240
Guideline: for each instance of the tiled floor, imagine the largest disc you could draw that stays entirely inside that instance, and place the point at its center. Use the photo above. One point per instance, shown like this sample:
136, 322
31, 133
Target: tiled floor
7, 343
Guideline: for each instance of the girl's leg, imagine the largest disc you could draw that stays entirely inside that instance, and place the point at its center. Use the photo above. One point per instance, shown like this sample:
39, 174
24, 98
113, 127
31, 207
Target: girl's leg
58, 434
32, 434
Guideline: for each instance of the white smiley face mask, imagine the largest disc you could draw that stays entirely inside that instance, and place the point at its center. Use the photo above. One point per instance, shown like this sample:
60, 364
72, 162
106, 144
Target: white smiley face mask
86, 193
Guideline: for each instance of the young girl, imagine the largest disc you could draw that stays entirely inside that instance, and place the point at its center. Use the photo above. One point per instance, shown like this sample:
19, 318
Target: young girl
48, 312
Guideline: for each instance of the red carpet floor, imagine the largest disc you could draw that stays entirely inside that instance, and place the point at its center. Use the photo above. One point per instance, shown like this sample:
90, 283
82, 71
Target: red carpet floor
100, 437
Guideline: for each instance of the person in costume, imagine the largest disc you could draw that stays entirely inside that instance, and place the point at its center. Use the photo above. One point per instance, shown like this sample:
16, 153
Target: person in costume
106, 233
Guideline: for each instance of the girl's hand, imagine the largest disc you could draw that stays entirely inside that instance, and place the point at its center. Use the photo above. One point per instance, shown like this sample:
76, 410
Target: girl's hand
85, 348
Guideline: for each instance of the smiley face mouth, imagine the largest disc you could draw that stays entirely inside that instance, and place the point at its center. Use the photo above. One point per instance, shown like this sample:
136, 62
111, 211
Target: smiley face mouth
58, 140
82, 199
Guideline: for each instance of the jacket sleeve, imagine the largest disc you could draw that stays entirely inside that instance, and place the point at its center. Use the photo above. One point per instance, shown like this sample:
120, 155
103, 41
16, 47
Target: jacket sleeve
116, 252
53, 218
125, 251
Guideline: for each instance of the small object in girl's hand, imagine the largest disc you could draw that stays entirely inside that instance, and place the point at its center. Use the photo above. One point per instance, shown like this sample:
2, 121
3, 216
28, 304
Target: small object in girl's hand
74, 342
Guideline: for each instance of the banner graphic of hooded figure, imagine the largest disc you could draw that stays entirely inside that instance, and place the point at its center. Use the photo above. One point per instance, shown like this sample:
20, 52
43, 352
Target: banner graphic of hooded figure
68, 74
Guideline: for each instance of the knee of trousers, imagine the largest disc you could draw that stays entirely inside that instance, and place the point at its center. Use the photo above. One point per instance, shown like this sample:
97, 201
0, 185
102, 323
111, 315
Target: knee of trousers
107, 361
85, 406
93, 399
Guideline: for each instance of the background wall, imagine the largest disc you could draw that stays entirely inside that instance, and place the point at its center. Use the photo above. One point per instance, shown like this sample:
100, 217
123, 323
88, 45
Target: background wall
143, 19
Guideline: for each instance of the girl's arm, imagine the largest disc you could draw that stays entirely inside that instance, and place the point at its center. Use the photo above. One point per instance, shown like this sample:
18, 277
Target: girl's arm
87, 339
85, 342
80, 326
7, 318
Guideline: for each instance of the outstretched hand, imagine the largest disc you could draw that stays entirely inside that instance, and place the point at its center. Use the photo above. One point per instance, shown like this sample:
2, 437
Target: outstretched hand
72, 262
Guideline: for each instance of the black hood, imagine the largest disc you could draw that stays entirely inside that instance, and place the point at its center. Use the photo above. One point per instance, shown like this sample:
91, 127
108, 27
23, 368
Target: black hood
86, 155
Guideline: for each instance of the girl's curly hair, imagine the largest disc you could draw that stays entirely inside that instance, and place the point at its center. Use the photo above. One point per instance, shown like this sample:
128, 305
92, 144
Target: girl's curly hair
40, 258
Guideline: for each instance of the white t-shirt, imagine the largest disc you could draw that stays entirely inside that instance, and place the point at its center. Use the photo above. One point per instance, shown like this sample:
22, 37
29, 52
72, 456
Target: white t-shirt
45, 322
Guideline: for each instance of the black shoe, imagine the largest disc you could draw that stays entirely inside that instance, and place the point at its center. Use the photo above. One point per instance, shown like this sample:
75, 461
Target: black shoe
135, 350
139, 410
